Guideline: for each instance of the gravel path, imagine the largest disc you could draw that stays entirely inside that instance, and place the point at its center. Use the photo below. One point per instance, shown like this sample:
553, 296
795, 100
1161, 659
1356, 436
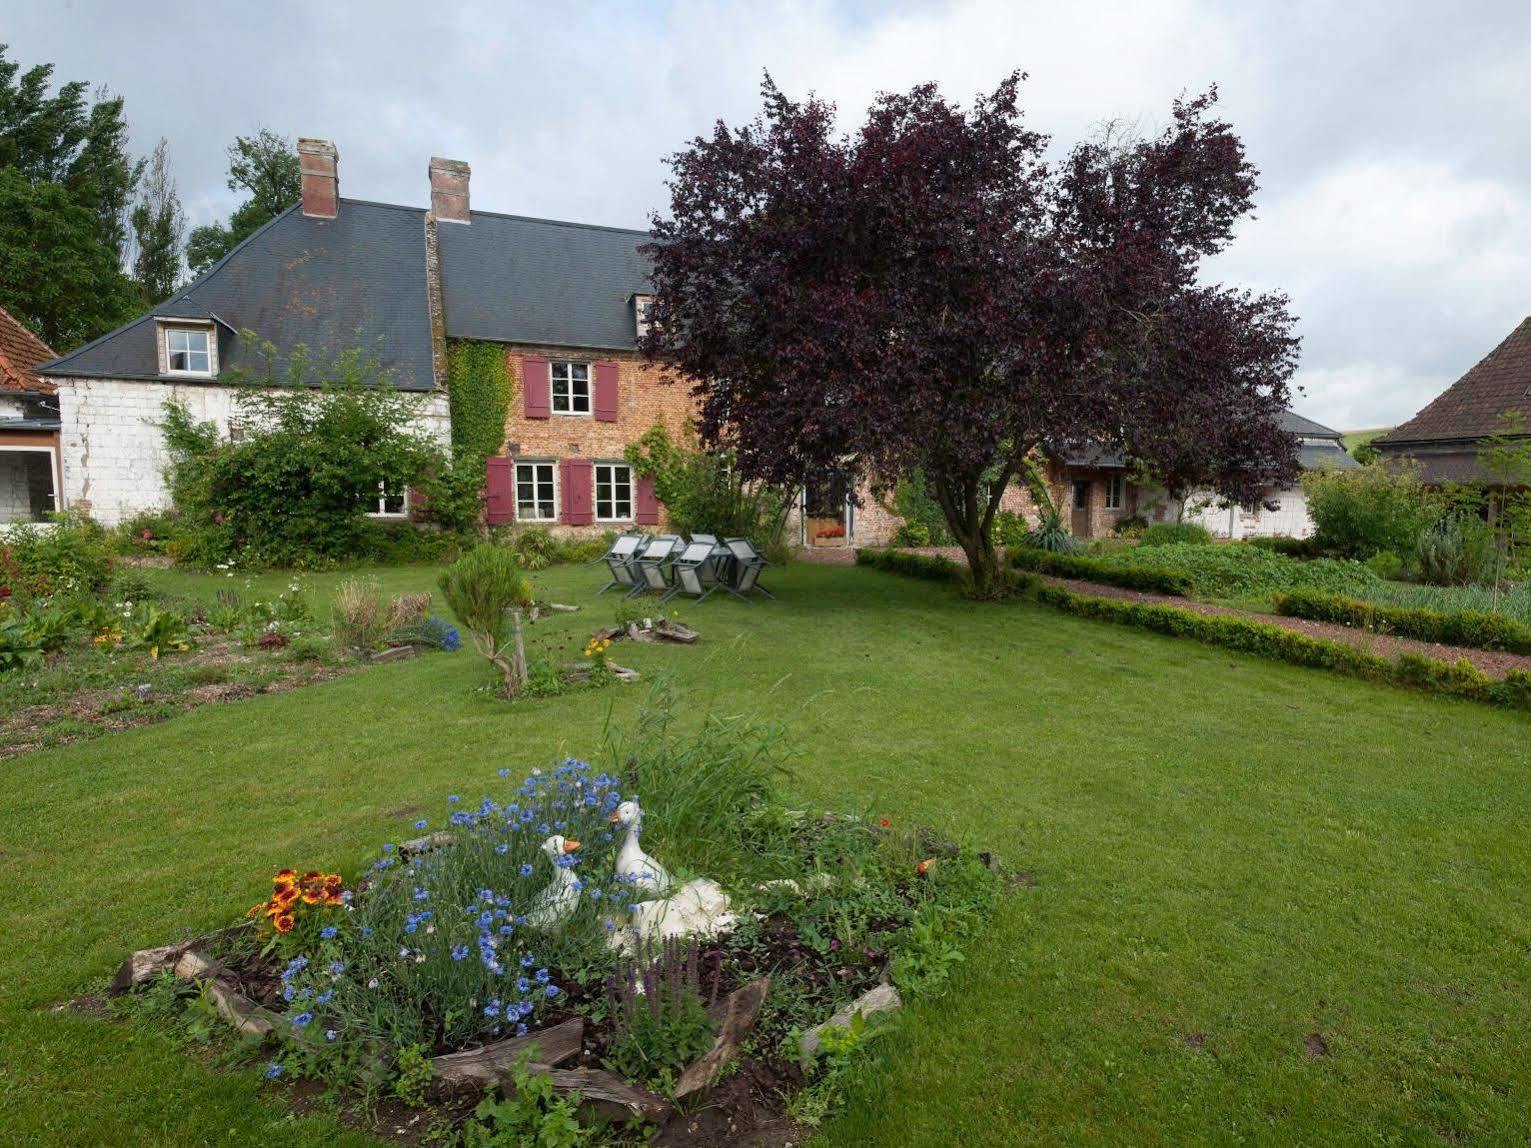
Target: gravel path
1491, 662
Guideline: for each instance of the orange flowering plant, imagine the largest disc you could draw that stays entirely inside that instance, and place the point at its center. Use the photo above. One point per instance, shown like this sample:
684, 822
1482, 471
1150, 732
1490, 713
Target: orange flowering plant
300, 906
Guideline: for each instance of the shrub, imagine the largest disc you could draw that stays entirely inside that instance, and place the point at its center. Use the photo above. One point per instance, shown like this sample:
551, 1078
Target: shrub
1455, 552
1100, 570
932, 567
1010, 529
1290, 547
1176, 534
69, 555
912, 501
1385, 565
1449, 628
487, 590
1051, 535
1357, 513
912, 534
535, 547
1133, 526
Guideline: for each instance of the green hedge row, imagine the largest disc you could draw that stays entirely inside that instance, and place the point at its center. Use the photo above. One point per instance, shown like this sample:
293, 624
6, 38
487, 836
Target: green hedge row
1450, 628
931, 567
1094, 570
1458, 679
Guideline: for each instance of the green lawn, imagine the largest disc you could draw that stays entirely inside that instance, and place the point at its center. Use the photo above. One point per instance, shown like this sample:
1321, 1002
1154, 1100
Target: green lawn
1229, 855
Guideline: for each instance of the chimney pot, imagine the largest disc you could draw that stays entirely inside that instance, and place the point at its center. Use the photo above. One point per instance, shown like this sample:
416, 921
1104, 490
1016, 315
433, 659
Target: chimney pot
319, 165
449, 190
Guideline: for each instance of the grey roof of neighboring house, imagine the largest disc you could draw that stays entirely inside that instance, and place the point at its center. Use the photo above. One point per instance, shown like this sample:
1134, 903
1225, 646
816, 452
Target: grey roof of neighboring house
1310, 456
332, 284
1294, 423
511, 279
1471, 407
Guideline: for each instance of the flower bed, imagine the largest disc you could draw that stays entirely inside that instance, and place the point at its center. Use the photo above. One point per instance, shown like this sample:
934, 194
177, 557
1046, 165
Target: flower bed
507, 971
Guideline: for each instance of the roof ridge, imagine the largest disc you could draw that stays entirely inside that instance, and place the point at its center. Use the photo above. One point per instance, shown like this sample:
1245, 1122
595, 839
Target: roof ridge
1443, 398
564, 223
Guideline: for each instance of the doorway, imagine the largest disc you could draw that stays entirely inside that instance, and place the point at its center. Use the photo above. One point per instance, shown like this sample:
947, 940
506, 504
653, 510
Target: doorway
1079, 518
826, 509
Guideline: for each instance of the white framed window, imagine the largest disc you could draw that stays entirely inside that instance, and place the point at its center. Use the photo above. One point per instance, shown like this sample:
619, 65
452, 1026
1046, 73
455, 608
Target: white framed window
536, 492
392, 501
571, 388
1114, 486
643, 313
613, 492
188, 351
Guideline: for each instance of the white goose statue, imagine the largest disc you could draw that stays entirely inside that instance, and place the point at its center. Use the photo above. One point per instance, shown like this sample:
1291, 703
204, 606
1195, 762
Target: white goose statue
558, 901
697, 908
634, 865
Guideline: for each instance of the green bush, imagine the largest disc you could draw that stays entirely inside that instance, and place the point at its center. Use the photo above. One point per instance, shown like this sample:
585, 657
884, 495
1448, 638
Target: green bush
932, 567
1290, 547
1050, 535
1092, 569
1176, 534
912, 534
1456, 551
913, 502
68, 555
1232, 570
1460, 679
1357, 513
1010, 529
1133, 526
1449, 628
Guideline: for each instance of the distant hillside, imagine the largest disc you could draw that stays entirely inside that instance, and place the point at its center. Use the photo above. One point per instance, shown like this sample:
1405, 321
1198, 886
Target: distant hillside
1357, 438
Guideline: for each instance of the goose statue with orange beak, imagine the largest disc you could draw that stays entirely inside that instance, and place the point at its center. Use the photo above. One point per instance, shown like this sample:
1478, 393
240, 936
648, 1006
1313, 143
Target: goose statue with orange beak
557, 902
634, 865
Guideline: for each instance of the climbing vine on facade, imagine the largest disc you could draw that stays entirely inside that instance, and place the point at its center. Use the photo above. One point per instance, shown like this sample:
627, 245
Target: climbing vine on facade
478, 392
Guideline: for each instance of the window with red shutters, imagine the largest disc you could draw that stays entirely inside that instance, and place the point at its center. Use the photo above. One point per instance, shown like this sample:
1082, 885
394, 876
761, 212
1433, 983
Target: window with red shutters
606, 392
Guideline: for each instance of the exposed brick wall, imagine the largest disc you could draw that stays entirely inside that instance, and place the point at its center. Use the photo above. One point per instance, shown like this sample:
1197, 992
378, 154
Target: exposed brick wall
644, 397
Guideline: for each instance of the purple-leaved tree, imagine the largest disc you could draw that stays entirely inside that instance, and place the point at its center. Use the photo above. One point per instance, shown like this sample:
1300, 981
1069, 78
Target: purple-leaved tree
929, 292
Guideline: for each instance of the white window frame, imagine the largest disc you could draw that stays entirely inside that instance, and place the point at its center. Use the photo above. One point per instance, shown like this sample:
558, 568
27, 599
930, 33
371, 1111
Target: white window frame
1116, 491
632, 500
569, 365
516, 488
168, 330
642, 305
380, 503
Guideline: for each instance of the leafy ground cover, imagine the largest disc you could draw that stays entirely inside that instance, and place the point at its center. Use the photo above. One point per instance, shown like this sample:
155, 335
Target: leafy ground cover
1260, 902
1236, 570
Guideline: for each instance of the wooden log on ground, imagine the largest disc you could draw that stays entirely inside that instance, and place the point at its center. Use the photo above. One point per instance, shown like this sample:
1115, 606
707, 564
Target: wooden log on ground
562, 608
608, 1095
676, 632
245, 1015
609, 634
418, 845
882, 998
739, 1016
394, 654
623, 673
476, 1068
638, 634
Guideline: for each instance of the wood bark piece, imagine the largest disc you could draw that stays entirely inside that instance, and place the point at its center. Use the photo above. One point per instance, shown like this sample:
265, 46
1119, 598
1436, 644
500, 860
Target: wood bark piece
562, 608
676, 632
608, 1095
739, 1015
394, 654
417, 845
479, 1067
239, 1010
146, 964
609, 634
883, 998
637, 634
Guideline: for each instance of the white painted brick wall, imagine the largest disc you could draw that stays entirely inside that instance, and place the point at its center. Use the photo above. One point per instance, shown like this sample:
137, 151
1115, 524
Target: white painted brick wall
1290, 521
114, 455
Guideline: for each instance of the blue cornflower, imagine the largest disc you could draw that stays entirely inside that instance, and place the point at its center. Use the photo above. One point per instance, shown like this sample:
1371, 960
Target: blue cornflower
492, 1008
504, 773
328, 932
542, 976
520, 1030
422, 894
551, 990
502, 848
523, 986
453, 799
506, 930
324, 997
337, 967
329, 1034
544, 828
366, 932
388, 847
273, 1070
527, 960
422, 823
526, 870
302, 1019
459, 952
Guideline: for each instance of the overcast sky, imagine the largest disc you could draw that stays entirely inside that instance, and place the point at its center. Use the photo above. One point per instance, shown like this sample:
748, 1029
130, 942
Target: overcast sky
1394, 139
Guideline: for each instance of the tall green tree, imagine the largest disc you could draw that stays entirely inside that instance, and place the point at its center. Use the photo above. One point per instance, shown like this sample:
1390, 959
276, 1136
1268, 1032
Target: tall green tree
266, 167
66, 183
159, 227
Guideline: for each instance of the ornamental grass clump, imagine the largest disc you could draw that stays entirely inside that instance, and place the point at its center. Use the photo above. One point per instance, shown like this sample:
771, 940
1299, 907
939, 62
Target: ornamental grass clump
487, 591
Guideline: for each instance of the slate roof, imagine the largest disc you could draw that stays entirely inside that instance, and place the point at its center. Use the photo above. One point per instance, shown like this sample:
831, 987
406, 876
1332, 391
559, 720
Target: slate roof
20, 351
332, 284
1470, 407
1310, 456
511, 279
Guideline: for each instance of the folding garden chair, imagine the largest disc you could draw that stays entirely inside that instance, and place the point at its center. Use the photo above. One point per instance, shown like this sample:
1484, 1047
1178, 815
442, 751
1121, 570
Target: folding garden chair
710, 539
695, 571
744, 568
619, 561
653, 565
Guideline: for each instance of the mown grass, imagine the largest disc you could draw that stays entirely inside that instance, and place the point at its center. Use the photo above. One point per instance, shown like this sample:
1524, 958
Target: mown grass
1224, 857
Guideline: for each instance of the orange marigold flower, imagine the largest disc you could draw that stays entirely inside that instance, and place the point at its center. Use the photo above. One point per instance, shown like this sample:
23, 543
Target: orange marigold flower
272, 908
313, 896
333, 881
284, 875
311, 876
284, 923
334, 898
285, 895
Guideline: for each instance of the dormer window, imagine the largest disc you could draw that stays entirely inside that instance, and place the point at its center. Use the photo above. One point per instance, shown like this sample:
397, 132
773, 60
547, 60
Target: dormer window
188, 350
643, 312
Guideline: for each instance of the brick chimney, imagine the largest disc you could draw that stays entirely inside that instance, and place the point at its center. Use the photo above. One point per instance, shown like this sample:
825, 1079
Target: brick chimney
319, 163
449, 190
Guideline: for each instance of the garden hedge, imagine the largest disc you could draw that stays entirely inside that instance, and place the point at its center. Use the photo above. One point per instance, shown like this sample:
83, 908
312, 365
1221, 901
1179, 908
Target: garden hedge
1094, 570
1450, 628
1459, 679
931, 567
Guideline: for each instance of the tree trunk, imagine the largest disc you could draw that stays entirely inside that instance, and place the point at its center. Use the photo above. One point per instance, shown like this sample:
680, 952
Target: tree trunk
969, 516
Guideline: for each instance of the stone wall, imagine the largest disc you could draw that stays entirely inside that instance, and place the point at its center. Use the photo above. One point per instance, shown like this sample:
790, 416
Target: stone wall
113, 450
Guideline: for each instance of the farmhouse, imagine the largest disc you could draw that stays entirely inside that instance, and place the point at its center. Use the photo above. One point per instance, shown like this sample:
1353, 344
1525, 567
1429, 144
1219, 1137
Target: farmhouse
29, 427
1444, 437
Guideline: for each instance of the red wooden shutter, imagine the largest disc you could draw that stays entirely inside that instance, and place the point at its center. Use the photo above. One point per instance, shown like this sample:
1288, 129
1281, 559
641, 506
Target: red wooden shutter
576, 477
499, 492
537, 387
645, 503
605, 392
